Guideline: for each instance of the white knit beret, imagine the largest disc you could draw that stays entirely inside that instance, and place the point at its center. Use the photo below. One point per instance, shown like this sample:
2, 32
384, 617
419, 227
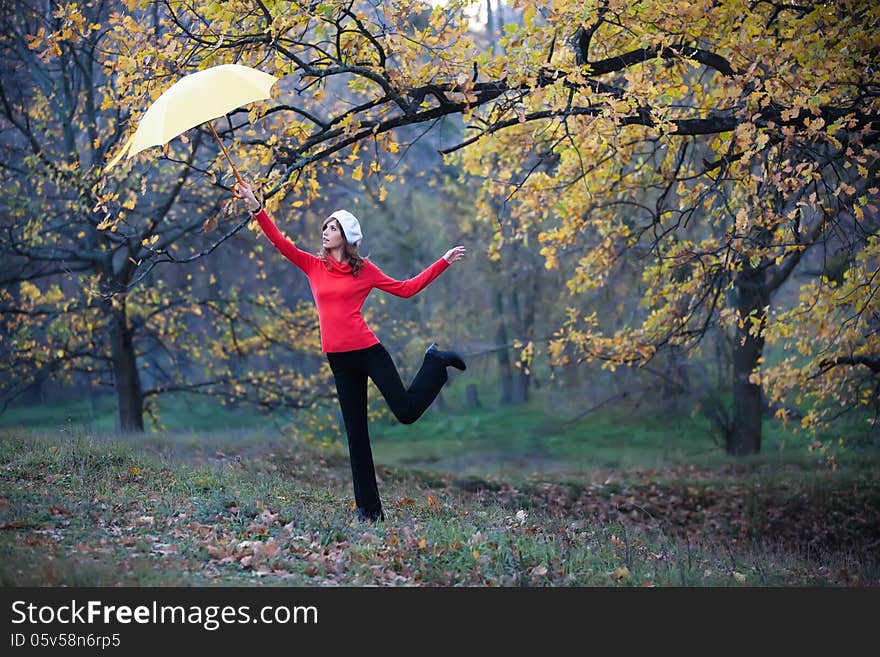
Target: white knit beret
350, 225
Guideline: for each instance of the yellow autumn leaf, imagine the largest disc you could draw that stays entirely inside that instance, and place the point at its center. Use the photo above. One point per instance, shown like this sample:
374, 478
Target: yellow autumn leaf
620, 574
30, 291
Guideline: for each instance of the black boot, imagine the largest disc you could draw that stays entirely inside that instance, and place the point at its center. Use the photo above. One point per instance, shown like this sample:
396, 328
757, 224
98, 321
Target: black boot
448, 357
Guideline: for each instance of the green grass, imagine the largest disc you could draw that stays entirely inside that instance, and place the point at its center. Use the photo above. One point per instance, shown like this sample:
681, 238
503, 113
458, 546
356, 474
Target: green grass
180, 411
509, 496
512, 441
251, 507
528, 440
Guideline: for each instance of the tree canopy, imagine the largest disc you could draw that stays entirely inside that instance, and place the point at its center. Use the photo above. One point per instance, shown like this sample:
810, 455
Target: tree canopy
718, 153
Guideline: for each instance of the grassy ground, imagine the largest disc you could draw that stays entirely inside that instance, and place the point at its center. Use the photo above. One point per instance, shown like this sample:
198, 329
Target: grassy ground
493, 498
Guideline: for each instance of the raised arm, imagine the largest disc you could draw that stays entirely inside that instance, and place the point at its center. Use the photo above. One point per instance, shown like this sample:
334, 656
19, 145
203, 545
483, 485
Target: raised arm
290, 251
415, 284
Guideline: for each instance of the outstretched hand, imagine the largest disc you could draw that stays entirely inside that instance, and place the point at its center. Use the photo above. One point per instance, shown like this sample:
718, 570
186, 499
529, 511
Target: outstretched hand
244, 191
455, 254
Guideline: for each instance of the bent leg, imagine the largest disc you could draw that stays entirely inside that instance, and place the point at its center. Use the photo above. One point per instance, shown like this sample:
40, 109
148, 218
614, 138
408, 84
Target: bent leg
351, 387
408, 405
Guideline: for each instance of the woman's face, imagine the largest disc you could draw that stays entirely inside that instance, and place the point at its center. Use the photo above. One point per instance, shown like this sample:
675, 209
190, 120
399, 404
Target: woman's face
332, 236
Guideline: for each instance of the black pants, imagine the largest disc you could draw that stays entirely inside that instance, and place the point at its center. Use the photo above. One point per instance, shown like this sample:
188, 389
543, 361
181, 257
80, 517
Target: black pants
350, 371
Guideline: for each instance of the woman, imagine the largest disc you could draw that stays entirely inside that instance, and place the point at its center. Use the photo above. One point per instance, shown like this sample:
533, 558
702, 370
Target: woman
341, 280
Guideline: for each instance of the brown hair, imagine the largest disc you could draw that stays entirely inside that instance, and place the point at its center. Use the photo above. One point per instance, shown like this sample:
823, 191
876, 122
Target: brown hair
350, 251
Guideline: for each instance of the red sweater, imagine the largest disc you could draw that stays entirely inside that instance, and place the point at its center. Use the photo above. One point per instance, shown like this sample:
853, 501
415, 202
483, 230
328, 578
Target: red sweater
340, 296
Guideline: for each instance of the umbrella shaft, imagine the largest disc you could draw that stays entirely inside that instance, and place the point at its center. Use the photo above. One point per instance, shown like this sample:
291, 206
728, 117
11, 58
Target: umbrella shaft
225, 152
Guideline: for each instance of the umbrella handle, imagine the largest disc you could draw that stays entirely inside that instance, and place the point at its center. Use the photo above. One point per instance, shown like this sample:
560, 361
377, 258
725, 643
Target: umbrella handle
225, 152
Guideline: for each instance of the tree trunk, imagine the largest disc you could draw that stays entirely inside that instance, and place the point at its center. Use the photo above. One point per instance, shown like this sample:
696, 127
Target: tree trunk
521, 379
752, 296
676, 383
505, 374
129, 395
571, 373
472, 397
490, 24
521, 384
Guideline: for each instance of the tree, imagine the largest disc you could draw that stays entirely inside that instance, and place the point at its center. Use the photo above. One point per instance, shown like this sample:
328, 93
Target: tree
79, 297
717, 145
713, 145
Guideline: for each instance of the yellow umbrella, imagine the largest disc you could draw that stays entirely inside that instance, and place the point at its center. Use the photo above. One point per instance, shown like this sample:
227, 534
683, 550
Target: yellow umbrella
197, 98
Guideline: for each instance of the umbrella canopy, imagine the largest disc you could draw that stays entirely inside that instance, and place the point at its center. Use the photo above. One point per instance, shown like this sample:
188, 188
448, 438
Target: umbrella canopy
195, 99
